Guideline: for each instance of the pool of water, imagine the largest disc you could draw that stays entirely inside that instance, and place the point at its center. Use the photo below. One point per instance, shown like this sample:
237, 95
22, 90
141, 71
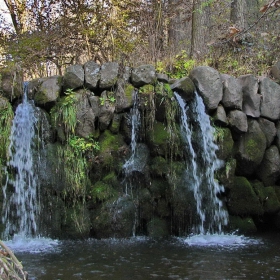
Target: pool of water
198, 257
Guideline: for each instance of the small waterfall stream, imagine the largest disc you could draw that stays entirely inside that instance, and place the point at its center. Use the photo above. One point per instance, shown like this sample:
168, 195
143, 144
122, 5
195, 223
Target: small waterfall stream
201, 164
129, 165
21, 202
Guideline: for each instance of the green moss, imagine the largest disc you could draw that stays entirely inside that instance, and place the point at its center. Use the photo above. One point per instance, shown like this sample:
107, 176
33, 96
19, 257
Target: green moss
128, 91
147, 89
159, 166
242, 199
102, 191
243, 225
157, 228
271, 202
251, 147
164, 90
160, 134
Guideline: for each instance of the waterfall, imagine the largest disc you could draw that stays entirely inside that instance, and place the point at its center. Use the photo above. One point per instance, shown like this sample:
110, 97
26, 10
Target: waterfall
130, 164
21, 203
201, 164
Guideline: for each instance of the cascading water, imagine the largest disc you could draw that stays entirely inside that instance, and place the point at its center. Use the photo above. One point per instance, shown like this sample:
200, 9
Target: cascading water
21, 208
129, 165
201, 165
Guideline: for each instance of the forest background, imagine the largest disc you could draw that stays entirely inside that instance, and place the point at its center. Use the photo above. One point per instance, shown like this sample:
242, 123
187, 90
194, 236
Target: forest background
43, 37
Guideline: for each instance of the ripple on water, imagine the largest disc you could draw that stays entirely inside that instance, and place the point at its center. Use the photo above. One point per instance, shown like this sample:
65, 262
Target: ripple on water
32, 245
228, 240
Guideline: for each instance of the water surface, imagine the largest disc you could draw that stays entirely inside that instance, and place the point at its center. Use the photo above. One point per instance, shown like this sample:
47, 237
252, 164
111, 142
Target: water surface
142, 258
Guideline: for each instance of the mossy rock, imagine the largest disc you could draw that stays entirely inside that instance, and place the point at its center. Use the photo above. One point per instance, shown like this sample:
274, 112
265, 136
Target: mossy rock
225, 143
114, 218
109, 144
259, 190
157, 228
147, 89
158, 140
271, 202
164, 90
243, 225
226, 174
158, 188
77, 222
243, 200
102, 191
159, 166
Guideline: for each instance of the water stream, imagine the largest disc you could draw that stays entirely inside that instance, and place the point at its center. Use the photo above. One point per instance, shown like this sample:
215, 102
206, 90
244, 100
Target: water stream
201, 164
21, 208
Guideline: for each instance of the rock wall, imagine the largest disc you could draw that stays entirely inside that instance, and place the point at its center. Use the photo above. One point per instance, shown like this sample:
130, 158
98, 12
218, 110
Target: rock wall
153, 199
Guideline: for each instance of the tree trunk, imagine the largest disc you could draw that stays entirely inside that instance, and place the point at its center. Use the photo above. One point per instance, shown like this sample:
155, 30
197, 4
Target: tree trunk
200, 24
238, 14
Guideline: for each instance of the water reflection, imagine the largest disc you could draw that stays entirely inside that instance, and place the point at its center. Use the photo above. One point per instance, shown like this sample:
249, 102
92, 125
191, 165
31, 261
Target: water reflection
141, 258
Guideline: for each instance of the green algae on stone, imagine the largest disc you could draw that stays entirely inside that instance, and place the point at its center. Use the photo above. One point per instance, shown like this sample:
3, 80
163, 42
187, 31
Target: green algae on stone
243, 225
271, 202
243, 200
159, 166
102, 191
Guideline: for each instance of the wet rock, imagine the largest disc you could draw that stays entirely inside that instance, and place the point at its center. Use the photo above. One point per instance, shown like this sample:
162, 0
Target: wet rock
250, 149
74, 77
209, 85
242, 199
157, 228
114, 219
161, 77
143, 75
185, 87
225, 144
243, 225
269, 169
251, 98
270, 92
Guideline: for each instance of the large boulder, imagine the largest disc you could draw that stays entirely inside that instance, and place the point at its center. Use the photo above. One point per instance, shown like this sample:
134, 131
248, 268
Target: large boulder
270, 106
11, 85
142, 75
251, 98
268, 129
220, 116
85, 114
269, 170
92, 74
242, 199
185, 87
209, 85
74, 77
46, 91
124, 95
250, 149
238, 121
108, 75
232, 97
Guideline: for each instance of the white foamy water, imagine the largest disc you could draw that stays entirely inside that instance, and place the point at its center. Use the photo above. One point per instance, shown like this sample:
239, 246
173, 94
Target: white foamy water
229, 240
32, 245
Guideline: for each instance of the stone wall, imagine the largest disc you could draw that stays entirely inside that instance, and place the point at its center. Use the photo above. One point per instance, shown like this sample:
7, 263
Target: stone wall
245, 112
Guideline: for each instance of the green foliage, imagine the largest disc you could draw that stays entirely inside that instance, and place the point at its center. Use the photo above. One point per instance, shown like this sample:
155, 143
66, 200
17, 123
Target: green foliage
6, 117
80, 146
109, 97
102, 191
219, 134
64, 112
